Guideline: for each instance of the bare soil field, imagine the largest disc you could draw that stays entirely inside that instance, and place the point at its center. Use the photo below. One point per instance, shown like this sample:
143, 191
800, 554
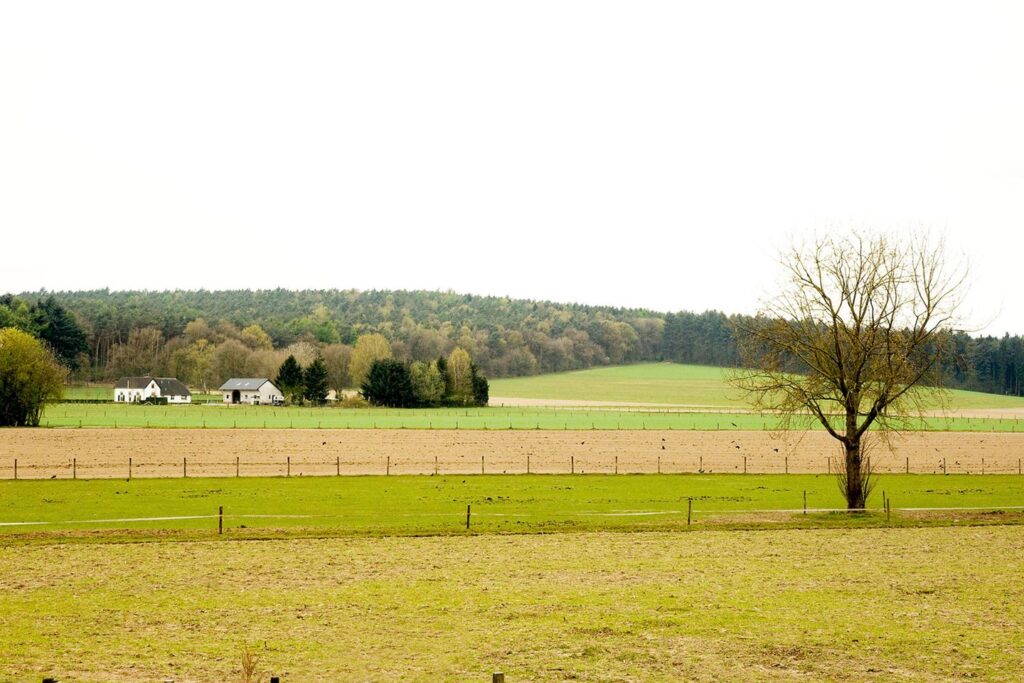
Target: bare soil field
98, 453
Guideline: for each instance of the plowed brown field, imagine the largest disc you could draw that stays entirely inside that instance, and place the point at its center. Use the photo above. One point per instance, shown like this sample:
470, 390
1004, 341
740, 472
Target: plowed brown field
92, 453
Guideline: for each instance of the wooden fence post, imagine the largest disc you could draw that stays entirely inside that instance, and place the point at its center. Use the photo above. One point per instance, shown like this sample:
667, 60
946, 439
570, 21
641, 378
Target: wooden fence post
220, 520
184, 467
497, 677
572, 464
238, 468
805, 501
387, 466
787, 464
744, 464
74, 468
467, 517
908, 464
129, 468
435, 464
616, 464
482, 463
689, 510
288, 467
527, 464
16, 470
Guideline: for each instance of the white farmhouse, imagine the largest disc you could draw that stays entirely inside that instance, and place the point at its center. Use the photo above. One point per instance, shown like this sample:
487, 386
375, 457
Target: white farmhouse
139, 389
252, 390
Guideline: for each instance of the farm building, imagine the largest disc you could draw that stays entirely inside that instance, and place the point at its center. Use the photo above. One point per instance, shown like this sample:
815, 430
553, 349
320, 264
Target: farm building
252, 390
138, 389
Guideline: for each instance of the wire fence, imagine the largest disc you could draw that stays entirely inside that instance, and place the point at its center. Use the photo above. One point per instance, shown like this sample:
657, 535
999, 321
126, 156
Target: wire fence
289, 466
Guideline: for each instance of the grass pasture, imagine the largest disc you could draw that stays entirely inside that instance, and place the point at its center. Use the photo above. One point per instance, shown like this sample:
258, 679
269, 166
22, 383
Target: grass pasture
673, 383
374, 505
494, 418
924, 604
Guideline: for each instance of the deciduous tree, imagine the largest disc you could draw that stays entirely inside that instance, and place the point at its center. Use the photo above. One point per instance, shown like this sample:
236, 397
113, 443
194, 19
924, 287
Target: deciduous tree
30, 377
854, 342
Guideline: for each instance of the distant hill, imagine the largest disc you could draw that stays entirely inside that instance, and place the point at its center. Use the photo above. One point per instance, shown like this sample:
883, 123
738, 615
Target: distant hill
506, 337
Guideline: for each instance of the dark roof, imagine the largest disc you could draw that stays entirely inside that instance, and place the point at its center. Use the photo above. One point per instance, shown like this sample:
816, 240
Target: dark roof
169, 386
244, 383
172, 387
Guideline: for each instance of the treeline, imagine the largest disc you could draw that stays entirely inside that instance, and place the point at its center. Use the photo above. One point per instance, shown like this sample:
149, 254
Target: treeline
205, 337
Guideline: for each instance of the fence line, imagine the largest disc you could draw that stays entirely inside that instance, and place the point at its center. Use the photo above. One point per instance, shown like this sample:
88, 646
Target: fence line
287, 465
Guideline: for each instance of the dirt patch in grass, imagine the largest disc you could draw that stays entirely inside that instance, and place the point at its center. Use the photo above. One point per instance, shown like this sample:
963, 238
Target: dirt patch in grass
57, 453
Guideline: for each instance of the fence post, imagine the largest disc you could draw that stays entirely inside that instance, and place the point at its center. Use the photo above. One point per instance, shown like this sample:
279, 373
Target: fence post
288, 466
387, 466
129, 468
702, 463
337, 465
527, 464
744, 464
238, 469
16, 469
497, 677
689, 510
943, 465
220, 520
908, 464
467, 517
74, 468
787, 464
805, 501
572, 464
482, 463
616, 464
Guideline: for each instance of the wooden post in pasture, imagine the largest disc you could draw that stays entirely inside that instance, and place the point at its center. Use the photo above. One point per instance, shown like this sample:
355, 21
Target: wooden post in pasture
467, 517
129, 468
744, 464
943, 465
787, 464
689, 510
497, 677
616, 464
1018, 466
659, 464
387, 466
482, 463
701, 468
908, 464
220, 520
572, 464
805, 501
288, 467
15, 468
337, 465
74, 468
184, 467
527, 464
238, 468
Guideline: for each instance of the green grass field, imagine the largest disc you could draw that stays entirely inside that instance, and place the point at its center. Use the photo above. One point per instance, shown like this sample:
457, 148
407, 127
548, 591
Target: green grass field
227, 417
378, 505
672, 383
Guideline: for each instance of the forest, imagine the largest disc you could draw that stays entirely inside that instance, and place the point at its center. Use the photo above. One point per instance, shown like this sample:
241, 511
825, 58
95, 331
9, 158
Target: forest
204, 337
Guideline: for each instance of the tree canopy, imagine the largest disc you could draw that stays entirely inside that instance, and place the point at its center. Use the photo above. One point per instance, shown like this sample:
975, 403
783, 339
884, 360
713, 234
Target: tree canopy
30, 377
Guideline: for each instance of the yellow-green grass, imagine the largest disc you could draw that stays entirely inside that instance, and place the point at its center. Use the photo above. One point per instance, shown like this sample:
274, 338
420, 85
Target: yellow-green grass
377, 505
227, 417
925, 604
672, 383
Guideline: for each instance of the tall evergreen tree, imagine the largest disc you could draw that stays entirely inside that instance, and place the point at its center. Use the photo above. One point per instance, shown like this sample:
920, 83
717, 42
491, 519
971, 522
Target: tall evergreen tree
315, 382
58, 328
389, 384
290, 379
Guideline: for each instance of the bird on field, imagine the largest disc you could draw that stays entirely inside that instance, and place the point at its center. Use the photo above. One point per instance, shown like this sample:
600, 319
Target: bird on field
737, 446
53, 477
776, 450
734, 425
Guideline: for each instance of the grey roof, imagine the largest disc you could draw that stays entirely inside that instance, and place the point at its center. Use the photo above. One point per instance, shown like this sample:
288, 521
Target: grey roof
169, 386
244, 383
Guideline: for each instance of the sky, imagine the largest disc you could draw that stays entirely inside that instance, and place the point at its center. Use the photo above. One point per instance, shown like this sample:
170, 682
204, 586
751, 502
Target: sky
644, 154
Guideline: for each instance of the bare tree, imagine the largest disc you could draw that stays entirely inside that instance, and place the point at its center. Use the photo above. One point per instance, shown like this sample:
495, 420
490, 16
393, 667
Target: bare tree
855, 341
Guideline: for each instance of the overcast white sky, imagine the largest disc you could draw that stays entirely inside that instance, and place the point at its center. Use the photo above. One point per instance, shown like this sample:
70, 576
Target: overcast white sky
654, 154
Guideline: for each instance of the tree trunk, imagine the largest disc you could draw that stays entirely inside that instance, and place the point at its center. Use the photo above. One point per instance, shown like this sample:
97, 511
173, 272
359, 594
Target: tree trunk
856, 495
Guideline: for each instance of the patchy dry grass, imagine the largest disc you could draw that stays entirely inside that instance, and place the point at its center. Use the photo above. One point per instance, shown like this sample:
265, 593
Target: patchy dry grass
930, 604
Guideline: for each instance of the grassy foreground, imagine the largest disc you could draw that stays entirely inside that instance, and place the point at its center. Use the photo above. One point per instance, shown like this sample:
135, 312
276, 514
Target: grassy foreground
259, 417
377, 505
930, 604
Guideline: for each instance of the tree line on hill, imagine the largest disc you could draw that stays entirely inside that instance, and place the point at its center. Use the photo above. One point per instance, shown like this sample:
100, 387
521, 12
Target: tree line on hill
205, 337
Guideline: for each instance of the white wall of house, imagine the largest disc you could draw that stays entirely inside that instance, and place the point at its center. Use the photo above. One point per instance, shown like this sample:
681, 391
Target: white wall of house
264, 396
133, 394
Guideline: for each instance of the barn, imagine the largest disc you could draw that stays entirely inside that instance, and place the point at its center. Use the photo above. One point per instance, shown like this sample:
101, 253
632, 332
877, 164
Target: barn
139, 389
252, 390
